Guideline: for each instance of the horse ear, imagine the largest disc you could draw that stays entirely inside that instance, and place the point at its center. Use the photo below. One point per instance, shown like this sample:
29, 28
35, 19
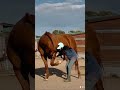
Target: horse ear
26, 17
27, 14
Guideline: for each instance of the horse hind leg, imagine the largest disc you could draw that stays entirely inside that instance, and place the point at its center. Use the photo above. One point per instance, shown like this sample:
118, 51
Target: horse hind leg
46, 67
23, 79
16, 62
77, 68
44, 58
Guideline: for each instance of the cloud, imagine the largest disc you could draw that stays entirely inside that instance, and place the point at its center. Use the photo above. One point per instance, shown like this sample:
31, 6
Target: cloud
59, 14
74, 1
62, 15
13, 10
47, 7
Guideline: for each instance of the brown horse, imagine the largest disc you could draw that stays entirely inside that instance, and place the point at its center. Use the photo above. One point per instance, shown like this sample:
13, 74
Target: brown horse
47, 47
20, 49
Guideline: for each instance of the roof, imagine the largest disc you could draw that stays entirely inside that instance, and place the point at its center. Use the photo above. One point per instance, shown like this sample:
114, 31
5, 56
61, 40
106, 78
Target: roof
102, 18
6, 25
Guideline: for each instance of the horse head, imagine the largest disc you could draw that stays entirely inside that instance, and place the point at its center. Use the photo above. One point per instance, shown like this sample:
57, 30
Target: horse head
29, 18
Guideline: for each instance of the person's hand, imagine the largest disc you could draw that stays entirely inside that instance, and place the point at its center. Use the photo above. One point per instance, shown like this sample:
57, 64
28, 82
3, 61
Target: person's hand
59, 61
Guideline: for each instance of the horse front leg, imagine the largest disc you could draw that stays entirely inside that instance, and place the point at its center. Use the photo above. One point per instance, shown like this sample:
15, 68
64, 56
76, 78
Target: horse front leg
52, 62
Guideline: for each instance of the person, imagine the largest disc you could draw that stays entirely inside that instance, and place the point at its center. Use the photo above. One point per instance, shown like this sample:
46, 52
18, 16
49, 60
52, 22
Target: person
93, 71
94, 68
59, 48
71, 56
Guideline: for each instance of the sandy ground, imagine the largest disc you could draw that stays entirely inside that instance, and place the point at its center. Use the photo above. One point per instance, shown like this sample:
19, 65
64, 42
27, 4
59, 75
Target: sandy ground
10, 82
56, 80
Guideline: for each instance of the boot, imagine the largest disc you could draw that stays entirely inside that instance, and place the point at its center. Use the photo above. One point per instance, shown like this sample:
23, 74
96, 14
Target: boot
68, 79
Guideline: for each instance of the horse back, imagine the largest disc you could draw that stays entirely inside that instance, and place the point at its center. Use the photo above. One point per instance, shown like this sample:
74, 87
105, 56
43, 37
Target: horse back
48, 42
22, 35
68, 40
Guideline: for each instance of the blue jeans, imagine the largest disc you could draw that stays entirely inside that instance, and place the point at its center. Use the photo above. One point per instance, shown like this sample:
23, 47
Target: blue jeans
69, 65
93, 71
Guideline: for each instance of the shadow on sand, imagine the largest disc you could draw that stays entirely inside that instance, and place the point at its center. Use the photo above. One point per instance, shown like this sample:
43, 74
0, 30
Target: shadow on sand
57, 72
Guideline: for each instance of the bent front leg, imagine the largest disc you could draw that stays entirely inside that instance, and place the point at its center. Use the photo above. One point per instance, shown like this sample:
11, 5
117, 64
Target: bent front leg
52, 62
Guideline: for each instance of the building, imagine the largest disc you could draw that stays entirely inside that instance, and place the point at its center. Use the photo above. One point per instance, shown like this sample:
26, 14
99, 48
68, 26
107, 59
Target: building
4, 34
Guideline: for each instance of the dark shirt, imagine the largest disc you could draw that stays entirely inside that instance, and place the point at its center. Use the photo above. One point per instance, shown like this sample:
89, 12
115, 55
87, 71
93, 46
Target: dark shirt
70, 53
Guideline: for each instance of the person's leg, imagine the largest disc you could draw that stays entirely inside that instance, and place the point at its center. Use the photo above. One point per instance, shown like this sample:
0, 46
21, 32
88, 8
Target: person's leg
89, 85
99, 85
90, 81
69, 67
94, 71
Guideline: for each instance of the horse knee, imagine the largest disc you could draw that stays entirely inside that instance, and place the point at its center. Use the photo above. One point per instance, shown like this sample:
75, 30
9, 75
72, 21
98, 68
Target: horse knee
52, 63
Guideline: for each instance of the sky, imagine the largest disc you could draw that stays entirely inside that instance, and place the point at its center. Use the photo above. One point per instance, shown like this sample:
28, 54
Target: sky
109, 5
54, 14
59, 14
13, 10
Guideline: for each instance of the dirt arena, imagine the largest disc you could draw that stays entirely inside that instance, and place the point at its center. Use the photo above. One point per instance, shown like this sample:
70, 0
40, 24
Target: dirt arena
56, 81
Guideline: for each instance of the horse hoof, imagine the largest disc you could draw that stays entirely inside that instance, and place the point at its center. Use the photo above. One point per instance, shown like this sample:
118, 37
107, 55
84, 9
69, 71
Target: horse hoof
59, 62
45, 79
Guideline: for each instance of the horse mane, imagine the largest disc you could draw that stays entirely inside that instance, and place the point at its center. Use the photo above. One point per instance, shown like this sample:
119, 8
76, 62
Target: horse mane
29, 18
51, 37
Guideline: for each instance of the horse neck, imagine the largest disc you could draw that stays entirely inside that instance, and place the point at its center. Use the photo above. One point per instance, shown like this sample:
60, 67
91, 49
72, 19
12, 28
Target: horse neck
53, 40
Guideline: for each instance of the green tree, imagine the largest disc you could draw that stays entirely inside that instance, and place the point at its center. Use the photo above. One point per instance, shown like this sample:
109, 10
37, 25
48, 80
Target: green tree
91, 13
58, 32
99, 13
75, 32
37, 36
104, 13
